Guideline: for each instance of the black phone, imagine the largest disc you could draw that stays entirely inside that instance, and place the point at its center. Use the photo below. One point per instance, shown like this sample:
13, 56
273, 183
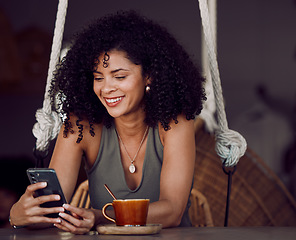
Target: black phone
49, 176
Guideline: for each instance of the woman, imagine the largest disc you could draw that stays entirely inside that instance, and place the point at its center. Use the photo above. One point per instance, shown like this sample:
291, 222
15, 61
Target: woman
128, 94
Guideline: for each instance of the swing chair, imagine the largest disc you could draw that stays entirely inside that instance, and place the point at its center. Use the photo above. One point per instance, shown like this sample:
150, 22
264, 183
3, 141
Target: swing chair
258, 197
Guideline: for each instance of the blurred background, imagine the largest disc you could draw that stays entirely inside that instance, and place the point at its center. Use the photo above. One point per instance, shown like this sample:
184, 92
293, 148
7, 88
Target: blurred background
256, 42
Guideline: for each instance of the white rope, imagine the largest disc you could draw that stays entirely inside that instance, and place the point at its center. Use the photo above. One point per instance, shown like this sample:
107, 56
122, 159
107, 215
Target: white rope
230, 145
48, 121
209, 106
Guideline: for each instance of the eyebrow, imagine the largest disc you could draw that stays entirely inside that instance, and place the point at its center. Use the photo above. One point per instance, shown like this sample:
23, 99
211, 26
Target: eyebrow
114, 71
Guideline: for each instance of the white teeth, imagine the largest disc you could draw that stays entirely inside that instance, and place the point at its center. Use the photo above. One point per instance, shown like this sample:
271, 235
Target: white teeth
113, 100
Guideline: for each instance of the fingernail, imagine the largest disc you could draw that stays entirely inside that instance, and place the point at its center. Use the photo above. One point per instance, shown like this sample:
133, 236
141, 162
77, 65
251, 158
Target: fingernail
57, 197
65, 205
43, 184
59, 220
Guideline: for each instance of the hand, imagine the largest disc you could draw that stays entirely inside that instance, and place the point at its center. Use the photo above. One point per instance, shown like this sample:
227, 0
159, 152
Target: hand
27, 210
81, 221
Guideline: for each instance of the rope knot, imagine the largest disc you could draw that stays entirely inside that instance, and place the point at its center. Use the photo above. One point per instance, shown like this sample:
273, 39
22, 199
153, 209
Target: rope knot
230, 146
46, 128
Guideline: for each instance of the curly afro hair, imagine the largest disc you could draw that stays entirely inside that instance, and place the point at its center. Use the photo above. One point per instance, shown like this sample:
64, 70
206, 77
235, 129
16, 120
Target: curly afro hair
176, 83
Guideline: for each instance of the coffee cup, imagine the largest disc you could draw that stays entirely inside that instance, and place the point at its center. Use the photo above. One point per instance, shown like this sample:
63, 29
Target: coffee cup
128, 212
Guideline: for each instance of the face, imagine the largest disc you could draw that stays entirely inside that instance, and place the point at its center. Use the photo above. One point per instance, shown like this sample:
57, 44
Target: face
119, 84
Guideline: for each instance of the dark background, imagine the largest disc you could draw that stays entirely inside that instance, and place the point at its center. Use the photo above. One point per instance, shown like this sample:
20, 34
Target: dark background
256, 57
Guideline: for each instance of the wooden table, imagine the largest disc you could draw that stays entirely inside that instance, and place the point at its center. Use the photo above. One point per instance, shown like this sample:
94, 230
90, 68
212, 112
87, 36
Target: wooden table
214, 233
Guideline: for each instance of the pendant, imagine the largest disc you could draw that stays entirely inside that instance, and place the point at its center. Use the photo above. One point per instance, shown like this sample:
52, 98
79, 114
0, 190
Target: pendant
132, 168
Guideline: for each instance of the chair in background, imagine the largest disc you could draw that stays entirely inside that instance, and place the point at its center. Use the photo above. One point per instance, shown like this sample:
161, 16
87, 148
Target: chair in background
199, 211
81, 196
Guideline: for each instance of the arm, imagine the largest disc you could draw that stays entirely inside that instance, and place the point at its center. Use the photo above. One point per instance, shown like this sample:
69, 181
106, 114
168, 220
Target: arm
66, 160
27, 211
176, 174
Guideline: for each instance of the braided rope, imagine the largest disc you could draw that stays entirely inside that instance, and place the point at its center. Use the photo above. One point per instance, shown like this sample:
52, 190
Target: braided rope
230, 145
209, 106
48, 121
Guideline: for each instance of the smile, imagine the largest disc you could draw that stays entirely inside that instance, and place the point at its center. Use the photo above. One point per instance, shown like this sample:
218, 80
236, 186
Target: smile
113, 101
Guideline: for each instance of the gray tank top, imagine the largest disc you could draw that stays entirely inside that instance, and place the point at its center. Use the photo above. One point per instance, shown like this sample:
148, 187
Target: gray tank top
108, 169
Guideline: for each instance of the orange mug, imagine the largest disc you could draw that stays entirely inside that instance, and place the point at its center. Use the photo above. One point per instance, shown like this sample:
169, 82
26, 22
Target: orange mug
128, 212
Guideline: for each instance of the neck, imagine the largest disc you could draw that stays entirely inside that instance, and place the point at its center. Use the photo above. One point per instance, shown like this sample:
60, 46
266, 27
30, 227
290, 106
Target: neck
131, 126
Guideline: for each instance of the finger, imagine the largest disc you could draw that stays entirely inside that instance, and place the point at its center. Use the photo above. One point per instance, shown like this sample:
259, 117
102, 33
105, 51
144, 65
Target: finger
46, 198
73, 220
42, 219
28, 196
33, 187
60, 226
31, 206
76, 231
76, 216
77, 225
41, 211
66, 226
80, 212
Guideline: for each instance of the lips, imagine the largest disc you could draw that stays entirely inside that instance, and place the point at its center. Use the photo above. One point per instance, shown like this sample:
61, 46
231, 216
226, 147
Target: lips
111, 102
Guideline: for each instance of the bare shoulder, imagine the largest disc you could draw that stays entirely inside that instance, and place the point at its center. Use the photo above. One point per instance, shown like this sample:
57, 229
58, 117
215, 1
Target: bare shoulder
182, 128
88, 145
77, 125
79, 134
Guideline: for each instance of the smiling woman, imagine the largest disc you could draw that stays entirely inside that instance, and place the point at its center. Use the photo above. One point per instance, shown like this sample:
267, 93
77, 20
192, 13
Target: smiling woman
129, 93
119, 84
146, 44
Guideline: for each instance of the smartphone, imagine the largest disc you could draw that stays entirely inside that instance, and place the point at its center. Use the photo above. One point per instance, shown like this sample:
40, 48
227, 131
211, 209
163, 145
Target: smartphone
53, 186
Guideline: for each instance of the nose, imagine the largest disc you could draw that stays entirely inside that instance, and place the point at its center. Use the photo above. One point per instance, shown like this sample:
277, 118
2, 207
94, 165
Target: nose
109, 86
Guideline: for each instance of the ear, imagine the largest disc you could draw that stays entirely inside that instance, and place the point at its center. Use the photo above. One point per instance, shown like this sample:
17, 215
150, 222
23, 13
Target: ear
148, 80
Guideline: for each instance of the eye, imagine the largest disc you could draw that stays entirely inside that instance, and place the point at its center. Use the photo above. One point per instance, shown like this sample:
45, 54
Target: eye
98, 79
98, 76
120, 77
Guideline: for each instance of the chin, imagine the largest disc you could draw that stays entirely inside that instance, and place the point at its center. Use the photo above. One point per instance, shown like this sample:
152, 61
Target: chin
114, 114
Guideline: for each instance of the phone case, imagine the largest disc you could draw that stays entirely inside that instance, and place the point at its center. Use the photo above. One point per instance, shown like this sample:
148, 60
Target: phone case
53, 186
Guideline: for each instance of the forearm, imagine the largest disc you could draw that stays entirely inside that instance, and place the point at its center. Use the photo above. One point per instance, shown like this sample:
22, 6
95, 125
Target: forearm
165, 213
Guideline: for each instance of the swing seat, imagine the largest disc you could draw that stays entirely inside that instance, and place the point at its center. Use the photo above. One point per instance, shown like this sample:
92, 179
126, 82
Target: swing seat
258, 197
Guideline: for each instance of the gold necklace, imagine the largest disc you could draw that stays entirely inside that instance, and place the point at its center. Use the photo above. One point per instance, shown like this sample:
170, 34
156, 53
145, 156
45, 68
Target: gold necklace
132, 167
